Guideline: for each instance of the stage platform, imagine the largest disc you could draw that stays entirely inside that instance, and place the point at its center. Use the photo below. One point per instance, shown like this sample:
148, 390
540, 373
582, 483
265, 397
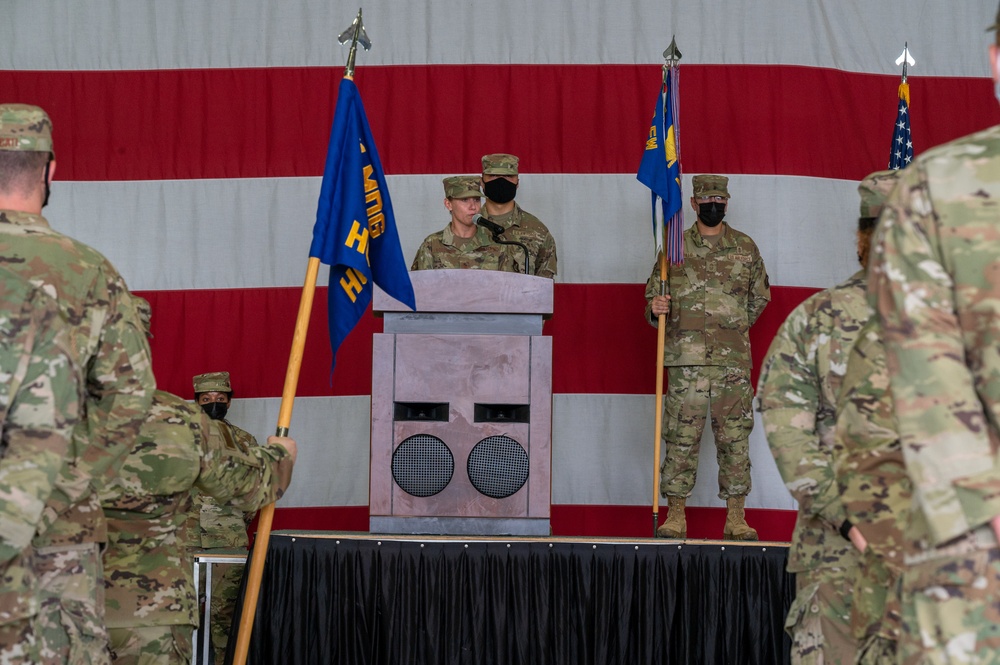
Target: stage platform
358, 598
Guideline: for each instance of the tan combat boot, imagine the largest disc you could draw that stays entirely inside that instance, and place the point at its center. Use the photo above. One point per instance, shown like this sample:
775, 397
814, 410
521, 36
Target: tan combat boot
675, 525
736, 522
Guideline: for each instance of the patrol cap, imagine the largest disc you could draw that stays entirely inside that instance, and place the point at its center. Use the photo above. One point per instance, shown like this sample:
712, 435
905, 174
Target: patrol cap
25, 127
996, 23
500, 164
462, 187
212, 382
874, 190
710, 185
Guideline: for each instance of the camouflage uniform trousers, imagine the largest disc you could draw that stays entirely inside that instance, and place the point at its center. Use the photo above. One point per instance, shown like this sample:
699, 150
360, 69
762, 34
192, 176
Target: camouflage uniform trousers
951, 605
819, 620
152, 645
691, 392
69, 627
225, 592
875, 610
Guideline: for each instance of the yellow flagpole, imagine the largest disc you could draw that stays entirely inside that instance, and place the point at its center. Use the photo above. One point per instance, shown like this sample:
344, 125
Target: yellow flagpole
661, 334
356, 33
284, 421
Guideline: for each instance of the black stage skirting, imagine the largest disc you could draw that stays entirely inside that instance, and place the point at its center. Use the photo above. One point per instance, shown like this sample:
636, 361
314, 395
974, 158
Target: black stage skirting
359, 599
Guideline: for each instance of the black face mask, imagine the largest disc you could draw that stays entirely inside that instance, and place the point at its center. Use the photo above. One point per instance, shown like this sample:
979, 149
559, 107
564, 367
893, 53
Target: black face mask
46, 177
711, 214
215, 410
500, 190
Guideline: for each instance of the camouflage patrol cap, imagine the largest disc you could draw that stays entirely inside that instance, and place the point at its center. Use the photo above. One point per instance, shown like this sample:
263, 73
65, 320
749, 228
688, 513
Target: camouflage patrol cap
212, 382
462, 187
25, 127
874, 190
996, 23
500, 164
710, 185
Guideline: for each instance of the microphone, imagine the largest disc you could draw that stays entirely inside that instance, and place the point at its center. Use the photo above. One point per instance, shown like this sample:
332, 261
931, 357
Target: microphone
490, 226
496, 230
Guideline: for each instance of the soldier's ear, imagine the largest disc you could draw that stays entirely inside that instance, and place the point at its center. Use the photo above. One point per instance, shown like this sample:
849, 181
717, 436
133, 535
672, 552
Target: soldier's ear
994, 65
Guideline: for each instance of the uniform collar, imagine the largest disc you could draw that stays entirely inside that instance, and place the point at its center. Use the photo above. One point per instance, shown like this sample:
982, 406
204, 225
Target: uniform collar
22, 218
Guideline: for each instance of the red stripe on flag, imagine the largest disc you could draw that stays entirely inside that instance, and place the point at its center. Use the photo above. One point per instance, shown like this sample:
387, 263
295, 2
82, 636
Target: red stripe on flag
601, 341
274, 122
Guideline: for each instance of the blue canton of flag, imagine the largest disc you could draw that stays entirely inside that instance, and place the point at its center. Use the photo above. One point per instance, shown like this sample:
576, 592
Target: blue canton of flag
660, 168
902, 146
355, 232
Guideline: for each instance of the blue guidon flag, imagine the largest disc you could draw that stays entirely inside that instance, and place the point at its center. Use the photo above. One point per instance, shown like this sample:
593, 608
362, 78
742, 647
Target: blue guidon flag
355, 232
660, 169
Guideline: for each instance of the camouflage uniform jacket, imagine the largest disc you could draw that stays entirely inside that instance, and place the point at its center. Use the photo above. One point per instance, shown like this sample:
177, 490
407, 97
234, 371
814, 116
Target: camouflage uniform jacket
446, 250
873, 486
152, 515
110, 347
223, 525
797, 393
39, 406
935, 287
716, 295
525, 228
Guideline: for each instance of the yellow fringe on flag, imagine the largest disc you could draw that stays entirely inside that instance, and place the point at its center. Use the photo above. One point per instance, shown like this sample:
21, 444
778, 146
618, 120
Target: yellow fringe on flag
904, 93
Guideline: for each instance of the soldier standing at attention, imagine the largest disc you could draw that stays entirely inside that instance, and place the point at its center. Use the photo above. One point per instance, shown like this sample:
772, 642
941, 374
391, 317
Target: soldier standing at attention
935, 286
714, 298
461, 244
797, 392
222, 525
39, 407
500, 180
112, 357
152, 605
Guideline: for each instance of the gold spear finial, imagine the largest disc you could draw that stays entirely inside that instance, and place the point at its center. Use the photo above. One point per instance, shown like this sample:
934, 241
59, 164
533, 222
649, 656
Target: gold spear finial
355, 32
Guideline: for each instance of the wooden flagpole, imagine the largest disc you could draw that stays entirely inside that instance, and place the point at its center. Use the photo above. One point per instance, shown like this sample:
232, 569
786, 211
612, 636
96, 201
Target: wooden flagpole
284, 421
356, 34
661, 335
671, 58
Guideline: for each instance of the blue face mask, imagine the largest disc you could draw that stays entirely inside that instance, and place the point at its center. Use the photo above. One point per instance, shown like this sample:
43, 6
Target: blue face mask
712, 213
215, 410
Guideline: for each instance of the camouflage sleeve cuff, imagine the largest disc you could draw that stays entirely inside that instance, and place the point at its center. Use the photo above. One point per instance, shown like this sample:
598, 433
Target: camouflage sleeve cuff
979, 497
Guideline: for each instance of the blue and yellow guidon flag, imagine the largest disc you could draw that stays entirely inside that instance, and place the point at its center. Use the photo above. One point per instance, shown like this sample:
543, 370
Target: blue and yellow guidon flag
355, 232
660, 169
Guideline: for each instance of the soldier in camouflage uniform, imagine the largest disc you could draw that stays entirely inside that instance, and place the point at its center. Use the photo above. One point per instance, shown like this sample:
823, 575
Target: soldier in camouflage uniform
712, 300
152, 605
797, 393
500, 180
112, 356
935, 285
876, 494
462, 244
868, 468
39, 407
222, 525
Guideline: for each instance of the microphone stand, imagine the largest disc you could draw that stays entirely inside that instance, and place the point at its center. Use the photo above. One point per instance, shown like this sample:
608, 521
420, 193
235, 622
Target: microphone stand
496, 230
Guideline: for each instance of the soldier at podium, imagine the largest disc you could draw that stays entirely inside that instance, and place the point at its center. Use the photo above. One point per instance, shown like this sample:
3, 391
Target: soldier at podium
462, 244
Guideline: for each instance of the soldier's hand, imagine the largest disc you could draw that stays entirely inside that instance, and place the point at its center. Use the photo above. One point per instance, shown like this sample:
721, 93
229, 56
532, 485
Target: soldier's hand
660, 305
858, 539
285, 442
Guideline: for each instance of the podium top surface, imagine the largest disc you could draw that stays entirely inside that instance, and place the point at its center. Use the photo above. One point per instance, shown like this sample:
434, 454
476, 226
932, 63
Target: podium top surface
472, 291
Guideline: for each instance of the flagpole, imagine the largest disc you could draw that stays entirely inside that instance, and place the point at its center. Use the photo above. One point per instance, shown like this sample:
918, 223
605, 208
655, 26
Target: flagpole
671, 57
263, 537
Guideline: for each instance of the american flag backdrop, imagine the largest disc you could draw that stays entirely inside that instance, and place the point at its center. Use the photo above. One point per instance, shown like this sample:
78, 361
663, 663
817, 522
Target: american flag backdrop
190, 140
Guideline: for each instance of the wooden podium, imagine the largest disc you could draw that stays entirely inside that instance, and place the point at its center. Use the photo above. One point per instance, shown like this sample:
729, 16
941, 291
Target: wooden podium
461, 439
